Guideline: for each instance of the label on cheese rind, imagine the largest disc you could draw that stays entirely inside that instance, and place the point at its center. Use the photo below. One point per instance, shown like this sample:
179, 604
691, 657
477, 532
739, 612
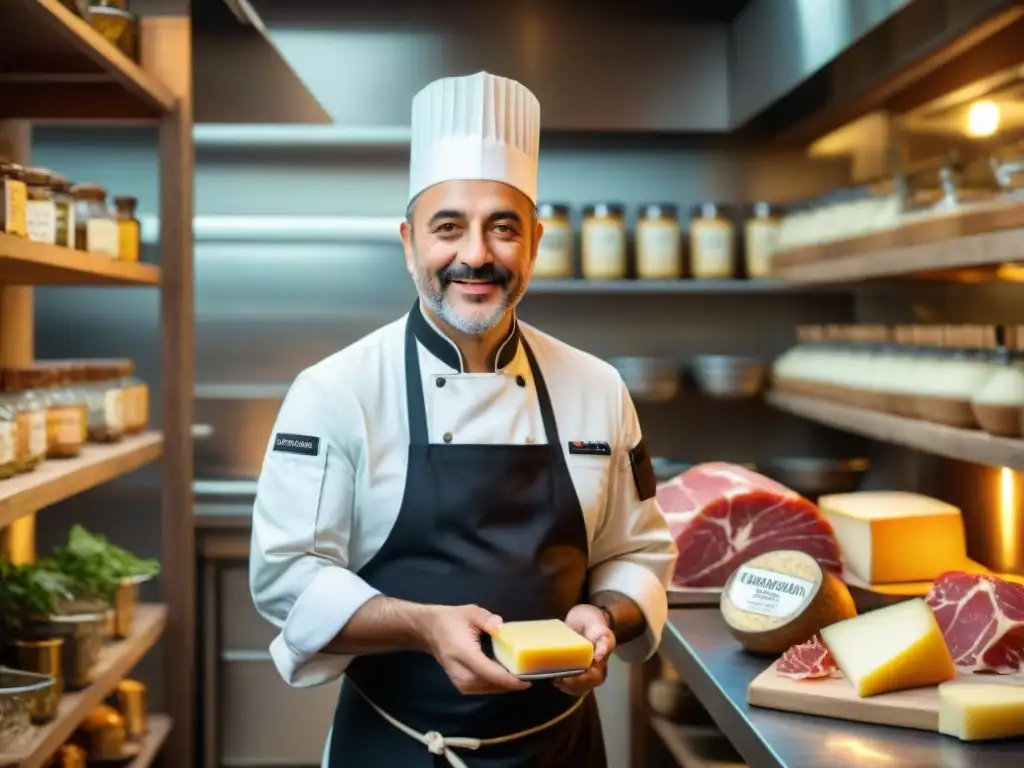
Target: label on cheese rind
768, 593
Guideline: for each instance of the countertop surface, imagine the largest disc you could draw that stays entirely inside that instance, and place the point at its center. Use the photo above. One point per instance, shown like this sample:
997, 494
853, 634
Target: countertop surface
710, 662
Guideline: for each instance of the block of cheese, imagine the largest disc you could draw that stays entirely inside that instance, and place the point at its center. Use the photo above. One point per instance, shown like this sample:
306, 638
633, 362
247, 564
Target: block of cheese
539, 647
975, 711
893, 536
780, 599
891, 649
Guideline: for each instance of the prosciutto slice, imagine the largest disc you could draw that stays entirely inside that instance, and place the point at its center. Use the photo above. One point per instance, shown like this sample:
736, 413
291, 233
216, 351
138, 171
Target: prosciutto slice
982, 620
808, 660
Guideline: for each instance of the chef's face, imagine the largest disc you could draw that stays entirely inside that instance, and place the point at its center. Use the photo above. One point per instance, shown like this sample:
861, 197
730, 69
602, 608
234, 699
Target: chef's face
470, 248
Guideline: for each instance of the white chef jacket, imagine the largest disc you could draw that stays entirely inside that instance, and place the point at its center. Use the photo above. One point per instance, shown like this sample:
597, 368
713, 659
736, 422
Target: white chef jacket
318, 519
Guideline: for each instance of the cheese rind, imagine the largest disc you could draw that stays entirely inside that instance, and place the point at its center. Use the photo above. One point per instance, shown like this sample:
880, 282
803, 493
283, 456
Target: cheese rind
894, 536
891, 649
539, 647
976, 711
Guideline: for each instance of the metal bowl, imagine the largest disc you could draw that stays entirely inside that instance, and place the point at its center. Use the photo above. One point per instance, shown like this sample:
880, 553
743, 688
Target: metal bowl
19, 693
653, 379
729, 377
813, 477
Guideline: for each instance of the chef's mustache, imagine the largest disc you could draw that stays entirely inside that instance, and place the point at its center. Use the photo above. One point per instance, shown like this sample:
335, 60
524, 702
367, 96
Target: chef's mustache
494, 273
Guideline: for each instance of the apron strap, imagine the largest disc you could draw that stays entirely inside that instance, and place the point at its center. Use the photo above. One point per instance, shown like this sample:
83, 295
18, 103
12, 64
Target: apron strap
547, 411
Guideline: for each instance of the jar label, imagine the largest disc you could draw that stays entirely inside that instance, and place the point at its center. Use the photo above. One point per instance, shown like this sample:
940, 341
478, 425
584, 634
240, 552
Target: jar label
604, 249
658, 251
762, 240
15, 198
37, 434
7, 446
41, 221
554, 253
113, 409
101, 237
768, 593
712, 249
128, 240
65, 426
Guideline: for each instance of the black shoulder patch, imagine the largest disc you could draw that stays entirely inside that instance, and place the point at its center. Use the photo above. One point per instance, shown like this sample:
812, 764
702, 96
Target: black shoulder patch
589, 448
306, 445
643, 471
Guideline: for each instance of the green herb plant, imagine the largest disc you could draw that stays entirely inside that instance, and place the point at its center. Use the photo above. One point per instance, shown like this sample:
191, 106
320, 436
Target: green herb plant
28, 591
97, 566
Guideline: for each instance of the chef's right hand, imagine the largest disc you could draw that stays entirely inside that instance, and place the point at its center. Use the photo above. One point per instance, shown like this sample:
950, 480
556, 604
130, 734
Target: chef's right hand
453, 637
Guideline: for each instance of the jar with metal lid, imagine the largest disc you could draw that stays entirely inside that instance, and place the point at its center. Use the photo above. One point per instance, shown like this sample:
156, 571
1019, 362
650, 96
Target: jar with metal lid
40, 208
22, 386
8, 436
64, 413
64, 203
659, 253
105, 400
95, 226
554, 253
13, 197
762, 236
129, 231
604, 241
711, 243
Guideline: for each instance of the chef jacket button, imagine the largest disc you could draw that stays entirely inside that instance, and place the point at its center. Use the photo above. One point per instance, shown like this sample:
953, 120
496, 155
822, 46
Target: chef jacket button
530, 440
447, 437
521, 380
440, 381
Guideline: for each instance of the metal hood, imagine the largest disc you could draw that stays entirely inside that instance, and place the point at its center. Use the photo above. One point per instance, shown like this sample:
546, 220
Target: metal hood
239, 74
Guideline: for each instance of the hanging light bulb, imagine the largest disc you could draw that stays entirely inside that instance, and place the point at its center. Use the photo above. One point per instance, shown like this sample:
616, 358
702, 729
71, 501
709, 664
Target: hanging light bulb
983, 118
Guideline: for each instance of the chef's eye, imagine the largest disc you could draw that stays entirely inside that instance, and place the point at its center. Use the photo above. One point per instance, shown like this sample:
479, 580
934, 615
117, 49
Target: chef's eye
504, 229
448, 228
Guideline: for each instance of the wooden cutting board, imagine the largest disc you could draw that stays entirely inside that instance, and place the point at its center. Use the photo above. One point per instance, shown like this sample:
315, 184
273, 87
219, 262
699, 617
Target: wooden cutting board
834, 697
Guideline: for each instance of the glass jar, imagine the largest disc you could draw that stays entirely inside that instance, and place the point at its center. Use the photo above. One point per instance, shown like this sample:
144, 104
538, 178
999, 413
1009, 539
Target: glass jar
105, 400
128, 230
95, 227
8, 437
136, 397
604, 242
13, 197
762, 237
65, 206
64, 413
711, 243
554, 253
659, 254
40, 209
116, 23
22, 386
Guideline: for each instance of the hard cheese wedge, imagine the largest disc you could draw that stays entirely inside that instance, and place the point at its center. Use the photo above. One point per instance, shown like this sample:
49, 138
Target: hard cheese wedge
538, 647
978, 711
892, 536
891, 649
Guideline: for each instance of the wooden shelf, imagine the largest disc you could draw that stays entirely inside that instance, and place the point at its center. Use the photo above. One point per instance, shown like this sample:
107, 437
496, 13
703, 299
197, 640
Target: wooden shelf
116, 660
711, 287
159, 728
961, 444
695, 746
59, 479
23, 262
986, 237
56, 66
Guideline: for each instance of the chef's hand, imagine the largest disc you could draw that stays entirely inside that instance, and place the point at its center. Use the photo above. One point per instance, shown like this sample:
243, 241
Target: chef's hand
590, 622
453, 637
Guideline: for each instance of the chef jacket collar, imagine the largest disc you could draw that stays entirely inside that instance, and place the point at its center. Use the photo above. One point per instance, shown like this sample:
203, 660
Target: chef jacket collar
445, 350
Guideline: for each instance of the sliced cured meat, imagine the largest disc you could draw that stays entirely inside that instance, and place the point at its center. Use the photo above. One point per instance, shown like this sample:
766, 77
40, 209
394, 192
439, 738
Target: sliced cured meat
982, 620
807, 661
722, 515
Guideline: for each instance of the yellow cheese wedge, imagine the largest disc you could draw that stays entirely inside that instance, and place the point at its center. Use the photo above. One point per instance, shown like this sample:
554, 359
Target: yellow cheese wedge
975, 711
891, 649
892, 536
537, 647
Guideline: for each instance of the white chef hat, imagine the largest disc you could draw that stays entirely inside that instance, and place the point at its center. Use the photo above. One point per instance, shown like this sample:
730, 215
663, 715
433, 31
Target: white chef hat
476, 127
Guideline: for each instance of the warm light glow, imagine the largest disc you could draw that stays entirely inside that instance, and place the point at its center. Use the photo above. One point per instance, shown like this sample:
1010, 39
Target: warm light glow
983, 118
1009, 519
849, 746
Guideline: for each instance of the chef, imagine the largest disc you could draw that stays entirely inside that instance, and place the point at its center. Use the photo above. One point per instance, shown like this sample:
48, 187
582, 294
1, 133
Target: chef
455, 469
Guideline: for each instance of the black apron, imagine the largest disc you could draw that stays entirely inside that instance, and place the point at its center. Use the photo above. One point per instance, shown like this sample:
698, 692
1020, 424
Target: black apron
498, 526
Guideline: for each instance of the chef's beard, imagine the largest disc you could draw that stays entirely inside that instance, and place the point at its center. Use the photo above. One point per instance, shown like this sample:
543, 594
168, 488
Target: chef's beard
433, 288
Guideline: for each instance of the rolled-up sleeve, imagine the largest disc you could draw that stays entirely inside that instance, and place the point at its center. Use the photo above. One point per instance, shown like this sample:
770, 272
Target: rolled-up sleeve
302, 519
633, 552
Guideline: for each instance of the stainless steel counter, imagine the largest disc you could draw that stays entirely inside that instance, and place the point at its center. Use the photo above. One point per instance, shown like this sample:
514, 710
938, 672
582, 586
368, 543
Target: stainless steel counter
709, 661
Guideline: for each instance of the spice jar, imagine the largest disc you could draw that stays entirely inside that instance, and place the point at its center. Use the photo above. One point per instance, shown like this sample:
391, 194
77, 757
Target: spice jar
711, 243
135, 397
40, 209
129, 233
64, 413
762, 236
95, 227
13, 199
30, 412
604, 241
554, 253
8, 437
64, 202
658, 243
105, 401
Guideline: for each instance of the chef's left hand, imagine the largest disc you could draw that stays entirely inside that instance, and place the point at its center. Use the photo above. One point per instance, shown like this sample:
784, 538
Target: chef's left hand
590, 622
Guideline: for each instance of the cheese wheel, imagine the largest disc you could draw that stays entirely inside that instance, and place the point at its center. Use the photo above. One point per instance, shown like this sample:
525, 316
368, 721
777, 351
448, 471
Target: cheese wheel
779, 599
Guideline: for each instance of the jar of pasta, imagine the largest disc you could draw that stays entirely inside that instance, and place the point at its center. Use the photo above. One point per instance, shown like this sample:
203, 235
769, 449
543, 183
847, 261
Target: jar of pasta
22, 386
105, 401
65, 410
761, 235
8, 437
711, 243
604, 242
13, 197
554, 252
95, 228
40, 209
658, 243
64, 203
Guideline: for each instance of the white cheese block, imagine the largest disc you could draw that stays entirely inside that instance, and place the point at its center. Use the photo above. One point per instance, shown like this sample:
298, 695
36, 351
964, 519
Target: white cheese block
978, 711
894, 536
